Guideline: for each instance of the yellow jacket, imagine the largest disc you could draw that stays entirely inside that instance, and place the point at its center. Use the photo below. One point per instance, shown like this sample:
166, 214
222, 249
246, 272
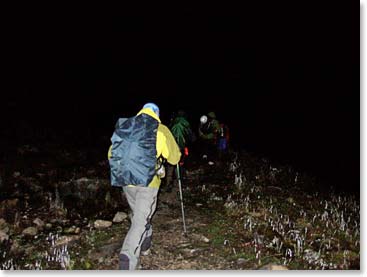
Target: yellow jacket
166, 146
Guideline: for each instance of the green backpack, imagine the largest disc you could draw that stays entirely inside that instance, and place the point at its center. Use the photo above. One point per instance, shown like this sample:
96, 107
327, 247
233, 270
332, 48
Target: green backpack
181, 130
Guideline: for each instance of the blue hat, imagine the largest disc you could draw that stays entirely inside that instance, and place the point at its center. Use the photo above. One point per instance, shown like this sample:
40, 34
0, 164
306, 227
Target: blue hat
153, 107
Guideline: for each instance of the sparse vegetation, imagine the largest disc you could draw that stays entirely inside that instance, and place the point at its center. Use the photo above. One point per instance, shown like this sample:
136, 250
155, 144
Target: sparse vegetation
244, 214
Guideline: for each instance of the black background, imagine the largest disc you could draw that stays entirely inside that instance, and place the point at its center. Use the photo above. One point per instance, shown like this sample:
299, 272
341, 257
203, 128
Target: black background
284, 76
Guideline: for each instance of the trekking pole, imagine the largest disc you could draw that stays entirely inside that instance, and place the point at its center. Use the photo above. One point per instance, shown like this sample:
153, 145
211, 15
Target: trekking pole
182, 205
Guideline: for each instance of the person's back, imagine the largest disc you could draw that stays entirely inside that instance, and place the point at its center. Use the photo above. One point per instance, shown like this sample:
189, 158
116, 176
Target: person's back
181, 130
208, 133
130, 141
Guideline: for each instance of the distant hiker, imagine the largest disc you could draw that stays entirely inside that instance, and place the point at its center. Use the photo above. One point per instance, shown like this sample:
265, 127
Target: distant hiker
222, 140
209, 129
182, 132
139, 144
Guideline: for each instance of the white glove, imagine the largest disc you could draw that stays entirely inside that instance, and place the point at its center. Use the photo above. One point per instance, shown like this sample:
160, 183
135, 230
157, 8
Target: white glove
161, 172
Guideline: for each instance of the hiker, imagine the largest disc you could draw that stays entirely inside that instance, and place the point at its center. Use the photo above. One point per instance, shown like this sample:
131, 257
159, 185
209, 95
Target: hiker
181, 130
222, 141
138, 145
209, 129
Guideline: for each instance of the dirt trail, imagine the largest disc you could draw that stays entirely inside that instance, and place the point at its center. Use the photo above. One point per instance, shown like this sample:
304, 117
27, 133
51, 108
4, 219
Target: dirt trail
171, 248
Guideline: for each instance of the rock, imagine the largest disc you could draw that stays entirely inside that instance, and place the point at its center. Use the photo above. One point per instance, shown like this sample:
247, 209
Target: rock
3, 223
183, 245
41, 175
255, 214
241, 261
102, 224
72, 230
107, 262
82, 180
188, 220
190, 252
8, 208
3, 236
48, 226
273, 267
39, 223
119, 217
60, 212
4, 229
30, 232
16, 174
10, 203
65, 222
110, 249
14, 249
199, 237
290, 200
66, 240
29, 250
91, 172
35, 188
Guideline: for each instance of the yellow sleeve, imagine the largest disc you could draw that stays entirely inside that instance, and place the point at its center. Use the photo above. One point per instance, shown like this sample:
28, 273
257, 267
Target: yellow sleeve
109, 152
167, 146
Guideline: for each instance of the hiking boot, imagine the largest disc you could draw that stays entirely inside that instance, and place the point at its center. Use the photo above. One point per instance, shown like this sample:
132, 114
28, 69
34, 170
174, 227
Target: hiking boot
145, 246
124, 262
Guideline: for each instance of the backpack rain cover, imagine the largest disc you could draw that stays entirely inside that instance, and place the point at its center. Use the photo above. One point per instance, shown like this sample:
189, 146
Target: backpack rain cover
133, 156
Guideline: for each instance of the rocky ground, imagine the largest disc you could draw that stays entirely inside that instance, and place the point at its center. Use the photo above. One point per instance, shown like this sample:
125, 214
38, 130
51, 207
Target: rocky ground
58, 211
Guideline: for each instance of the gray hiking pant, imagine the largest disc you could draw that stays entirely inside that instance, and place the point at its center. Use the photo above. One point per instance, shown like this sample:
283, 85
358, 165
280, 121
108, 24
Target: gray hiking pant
143, 203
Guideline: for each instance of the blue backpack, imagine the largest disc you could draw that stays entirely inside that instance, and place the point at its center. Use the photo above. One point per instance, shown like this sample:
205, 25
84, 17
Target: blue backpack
133, 156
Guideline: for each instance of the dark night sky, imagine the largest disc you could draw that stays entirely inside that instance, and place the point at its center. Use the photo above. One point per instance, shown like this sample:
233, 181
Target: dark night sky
285, 77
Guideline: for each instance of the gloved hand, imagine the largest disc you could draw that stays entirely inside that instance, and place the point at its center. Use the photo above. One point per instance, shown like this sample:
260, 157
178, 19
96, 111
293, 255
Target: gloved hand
161, 172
